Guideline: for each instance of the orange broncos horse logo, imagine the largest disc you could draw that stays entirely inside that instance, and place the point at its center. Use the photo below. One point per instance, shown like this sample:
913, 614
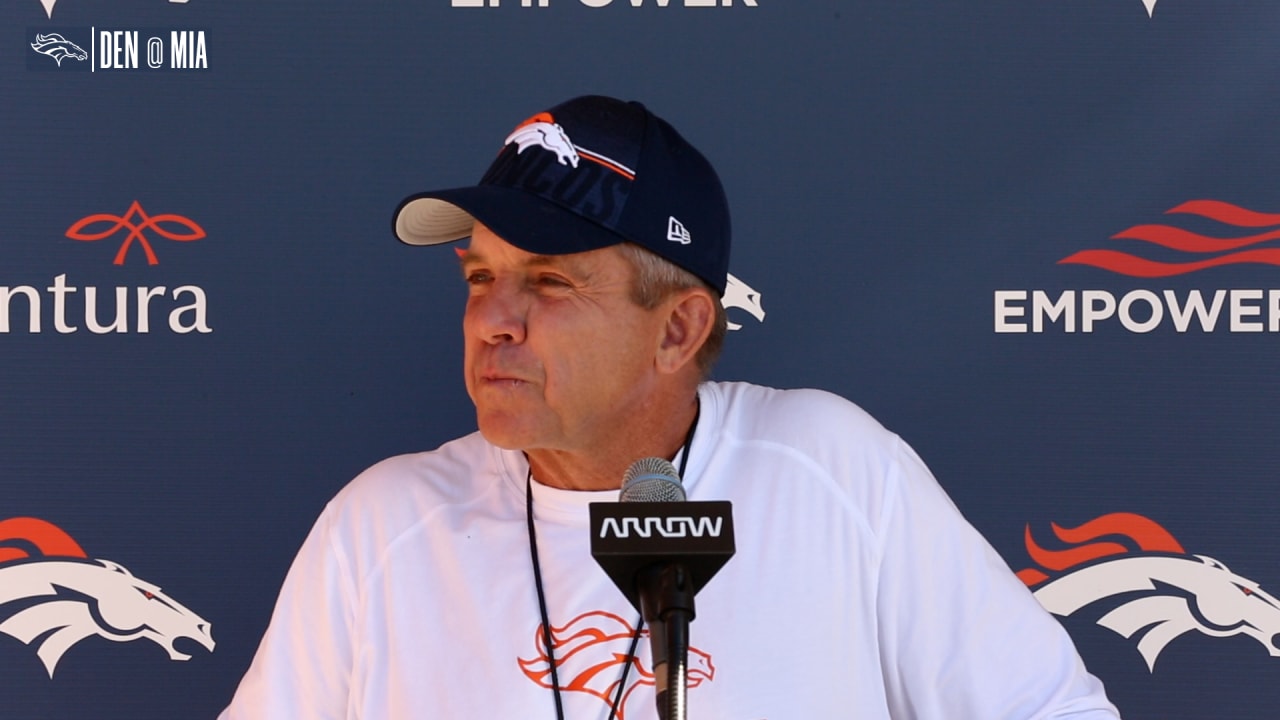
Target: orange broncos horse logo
1157, 591
53, 595
590, 652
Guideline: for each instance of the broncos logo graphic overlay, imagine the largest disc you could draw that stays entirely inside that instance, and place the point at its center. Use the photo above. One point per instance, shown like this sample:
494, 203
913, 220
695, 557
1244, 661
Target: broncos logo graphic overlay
738, 294
53, 595
1165, 591
58, 48
590, 652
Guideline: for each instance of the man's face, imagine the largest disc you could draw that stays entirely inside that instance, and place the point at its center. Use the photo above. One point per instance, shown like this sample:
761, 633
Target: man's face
557, 354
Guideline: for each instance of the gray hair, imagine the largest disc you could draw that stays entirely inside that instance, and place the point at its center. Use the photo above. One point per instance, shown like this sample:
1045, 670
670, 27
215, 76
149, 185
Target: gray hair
656, 278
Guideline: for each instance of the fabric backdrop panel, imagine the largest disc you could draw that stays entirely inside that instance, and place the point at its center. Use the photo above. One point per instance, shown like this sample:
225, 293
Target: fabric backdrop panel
1039, 240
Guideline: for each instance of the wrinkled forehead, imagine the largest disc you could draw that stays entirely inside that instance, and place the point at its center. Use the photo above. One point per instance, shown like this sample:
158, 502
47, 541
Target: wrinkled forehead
485, 246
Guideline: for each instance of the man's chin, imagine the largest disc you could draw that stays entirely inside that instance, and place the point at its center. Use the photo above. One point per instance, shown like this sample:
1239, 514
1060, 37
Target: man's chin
507, 435
503, 442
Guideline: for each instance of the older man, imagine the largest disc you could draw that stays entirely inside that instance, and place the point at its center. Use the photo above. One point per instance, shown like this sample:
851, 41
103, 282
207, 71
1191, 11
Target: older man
458, 583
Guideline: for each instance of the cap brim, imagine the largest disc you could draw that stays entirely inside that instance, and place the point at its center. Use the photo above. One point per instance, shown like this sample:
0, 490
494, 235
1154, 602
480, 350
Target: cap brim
527, 221
428, 220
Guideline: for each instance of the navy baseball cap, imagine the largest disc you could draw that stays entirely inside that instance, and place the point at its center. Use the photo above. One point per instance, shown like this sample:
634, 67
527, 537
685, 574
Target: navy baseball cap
586, 174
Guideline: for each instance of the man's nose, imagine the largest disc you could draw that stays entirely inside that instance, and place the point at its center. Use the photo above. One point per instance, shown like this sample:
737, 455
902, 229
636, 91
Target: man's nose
498, 315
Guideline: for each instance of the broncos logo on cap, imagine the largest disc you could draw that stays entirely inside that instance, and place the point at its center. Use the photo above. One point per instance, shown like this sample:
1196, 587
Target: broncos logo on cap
542, 130
1172, 591
590, 652
57, 596
58, 48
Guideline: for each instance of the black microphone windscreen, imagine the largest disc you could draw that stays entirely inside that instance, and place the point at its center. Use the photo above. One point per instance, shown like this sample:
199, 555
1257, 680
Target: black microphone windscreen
651, 480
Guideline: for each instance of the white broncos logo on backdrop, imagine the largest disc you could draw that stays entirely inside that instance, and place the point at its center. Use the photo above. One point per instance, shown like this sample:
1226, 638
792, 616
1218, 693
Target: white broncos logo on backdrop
67, 598
1183, 592
738, 294
1211, 599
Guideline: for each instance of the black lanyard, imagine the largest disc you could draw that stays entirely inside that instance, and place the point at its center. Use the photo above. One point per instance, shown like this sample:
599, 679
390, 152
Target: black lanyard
542, 598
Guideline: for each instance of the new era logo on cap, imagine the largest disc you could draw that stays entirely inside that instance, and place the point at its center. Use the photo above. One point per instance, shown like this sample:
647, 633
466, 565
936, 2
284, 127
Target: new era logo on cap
676, 231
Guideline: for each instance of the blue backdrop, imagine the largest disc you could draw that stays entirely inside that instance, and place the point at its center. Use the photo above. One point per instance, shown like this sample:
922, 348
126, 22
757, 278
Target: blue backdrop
906, 179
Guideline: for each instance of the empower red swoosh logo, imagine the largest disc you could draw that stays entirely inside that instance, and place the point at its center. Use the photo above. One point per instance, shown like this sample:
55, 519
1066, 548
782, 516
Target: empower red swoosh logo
104, 225
1245, 246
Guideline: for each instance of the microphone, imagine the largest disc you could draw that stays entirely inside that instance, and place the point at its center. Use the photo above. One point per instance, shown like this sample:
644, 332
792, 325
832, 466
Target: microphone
651, 480
660, 550
653, 524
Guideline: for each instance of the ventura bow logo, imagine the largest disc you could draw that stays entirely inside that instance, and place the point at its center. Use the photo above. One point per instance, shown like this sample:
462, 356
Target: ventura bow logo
1212, 251
1162, 591
590, 653
58, 48
136, 220
53, 595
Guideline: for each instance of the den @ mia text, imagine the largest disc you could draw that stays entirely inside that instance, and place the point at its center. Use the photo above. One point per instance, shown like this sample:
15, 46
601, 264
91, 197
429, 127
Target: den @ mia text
126, 49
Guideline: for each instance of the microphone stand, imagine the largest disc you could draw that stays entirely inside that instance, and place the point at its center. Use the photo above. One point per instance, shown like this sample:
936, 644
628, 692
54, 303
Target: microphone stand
666, 602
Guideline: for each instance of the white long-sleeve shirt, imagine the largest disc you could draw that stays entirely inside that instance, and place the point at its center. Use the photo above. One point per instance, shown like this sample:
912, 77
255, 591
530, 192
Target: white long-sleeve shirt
857, 591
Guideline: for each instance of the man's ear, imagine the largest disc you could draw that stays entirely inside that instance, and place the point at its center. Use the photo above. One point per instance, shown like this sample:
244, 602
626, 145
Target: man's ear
690, 314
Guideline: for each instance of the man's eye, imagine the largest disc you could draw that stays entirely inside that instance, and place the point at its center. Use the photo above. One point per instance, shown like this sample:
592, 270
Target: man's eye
477, 277
552, 281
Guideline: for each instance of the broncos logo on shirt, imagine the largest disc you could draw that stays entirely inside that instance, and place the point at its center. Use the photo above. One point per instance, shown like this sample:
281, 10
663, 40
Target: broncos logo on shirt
1167, 591
590, 652
53, 595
